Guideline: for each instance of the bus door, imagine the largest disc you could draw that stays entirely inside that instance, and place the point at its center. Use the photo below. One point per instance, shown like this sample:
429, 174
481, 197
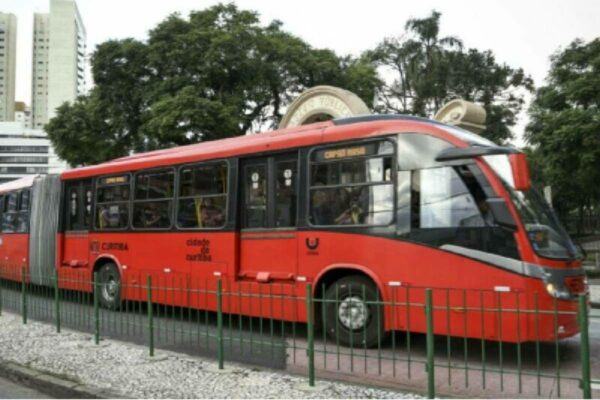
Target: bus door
77, 218
268, 211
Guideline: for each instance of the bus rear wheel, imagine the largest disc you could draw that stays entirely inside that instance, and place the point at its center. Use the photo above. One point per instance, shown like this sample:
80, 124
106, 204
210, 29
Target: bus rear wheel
109, 286
353, 312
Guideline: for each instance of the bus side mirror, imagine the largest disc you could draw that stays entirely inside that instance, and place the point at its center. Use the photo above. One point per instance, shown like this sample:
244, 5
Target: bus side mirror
520, 171
501, 213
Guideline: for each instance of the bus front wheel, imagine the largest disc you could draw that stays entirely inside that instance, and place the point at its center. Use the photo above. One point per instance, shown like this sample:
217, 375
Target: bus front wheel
109, 286
354, 312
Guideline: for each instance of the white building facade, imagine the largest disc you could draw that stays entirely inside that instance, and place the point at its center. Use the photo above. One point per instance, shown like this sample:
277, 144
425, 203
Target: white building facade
39, 70
58, 69
8, 58
25, 151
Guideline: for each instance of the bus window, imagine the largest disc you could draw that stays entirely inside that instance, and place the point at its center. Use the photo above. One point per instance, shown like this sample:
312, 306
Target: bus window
256, 196
87, 214
202, 196
449, 207
352, 185
9, 216
22, 225
446, 202
153, 200
78, 205
285, 193
112, 203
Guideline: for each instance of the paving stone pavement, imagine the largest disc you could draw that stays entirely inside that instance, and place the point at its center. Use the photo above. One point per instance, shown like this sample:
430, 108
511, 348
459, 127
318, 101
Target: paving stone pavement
126, 369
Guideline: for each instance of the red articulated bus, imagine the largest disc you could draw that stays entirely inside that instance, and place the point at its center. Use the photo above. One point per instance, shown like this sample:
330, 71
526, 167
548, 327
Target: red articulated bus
365, 208
14, 239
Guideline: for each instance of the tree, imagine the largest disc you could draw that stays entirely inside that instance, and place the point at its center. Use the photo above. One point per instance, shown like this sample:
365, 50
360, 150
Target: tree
564, 131
428, 71
216, 74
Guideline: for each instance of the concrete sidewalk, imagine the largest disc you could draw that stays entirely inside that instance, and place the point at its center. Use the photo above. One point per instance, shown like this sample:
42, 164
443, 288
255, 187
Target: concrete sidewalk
594, 285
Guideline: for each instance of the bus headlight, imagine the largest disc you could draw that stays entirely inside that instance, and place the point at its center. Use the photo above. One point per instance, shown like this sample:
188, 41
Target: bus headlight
557, 291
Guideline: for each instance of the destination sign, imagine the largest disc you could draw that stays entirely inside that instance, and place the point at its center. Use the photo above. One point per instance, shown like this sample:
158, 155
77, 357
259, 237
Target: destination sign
343, 153
114, 180
337, 153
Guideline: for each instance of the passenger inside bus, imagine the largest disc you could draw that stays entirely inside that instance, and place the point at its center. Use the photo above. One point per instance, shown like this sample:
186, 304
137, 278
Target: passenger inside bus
351, 203
155, 216
321, 211
211, 216
201, 212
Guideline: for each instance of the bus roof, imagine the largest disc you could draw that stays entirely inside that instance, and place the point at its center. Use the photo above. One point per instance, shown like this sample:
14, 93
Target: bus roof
305, 135
25, 182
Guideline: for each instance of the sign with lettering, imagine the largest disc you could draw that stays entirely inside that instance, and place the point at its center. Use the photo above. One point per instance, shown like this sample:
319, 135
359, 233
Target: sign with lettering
114, 180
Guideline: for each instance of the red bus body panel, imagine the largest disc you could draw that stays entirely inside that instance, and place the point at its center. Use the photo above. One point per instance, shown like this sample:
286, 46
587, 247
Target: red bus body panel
258, 267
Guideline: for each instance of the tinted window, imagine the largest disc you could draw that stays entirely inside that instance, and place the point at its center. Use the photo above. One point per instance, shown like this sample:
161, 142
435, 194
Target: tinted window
112, 202
24, 203
285, 193
202, 196
417, 150
445, 200
78, 205
256, 196
155, 185
9, 216
22, 224
203, 180
448, 206
112, 216
352, 185
153, 201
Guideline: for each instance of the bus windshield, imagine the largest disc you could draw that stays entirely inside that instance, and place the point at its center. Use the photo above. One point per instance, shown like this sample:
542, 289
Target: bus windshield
548, 238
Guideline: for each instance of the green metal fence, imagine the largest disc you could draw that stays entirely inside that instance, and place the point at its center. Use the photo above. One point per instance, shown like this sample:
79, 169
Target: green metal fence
451, 364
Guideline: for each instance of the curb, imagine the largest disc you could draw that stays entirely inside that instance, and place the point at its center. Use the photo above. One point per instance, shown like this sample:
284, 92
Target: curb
52, 385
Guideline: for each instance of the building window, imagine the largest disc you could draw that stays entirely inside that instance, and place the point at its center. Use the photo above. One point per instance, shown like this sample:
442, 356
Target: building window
24, 149
23, 170
23, 160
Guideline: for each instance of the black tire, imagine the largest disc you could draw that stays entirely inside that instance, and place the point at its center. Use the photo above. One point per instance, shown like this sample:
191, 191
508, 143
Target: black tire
109, 286
352, 313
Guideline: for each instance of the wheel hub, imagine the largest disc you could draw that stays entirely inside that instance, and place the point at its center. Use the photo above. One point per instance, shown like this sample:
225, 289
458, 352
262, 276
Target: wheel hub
353, 312
111, 288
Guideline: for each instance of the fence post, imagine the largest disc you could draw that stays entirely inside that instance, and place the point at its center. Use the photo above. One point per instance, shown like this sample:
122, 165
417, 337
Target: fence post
220, 323
586, 385
311, 335
96, 310
150, 316
430, 343
56, 301
23, 296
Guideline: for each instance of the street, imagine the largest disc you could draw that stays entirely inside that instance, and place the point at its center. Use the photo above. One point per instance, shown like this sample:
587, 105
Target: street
13, 390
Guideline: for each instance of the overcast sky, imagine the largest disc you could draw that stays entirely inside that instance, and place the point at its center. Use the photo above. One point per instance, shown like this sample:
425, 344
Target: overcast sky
522, 33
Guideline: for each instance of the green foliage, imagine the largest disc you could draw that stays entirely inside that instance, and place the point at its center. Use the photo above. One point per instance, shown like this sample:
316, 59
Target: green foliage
428, 71
218, 73
564, 131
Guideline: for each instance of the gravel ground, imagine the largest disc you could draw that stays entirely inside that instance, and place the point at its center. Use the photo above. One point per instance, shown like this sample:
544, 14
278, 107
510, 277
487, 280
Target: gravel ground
127, 370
